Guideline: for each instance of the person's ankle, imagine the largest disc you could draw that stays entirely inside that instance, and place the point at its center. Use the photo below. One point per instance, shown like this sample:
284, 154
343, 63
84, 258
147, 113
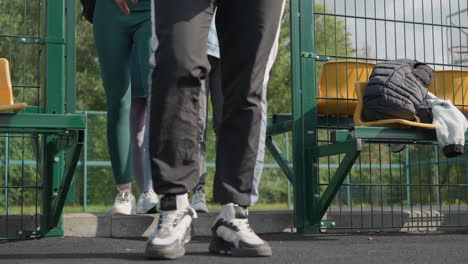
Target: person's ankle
124, 187
170, 202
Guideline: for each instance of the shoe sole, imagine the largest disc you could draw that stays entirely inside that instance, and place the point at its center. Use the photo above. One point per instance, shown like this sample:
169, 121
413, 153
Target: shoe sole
153, 252
219, 246
122, 213
158, 253
201, 210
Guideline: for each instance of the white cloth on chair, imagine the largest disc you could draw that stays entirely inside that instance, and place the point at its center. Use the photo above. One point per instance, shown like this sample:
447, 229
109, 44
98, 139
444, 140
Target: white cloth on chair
450, 124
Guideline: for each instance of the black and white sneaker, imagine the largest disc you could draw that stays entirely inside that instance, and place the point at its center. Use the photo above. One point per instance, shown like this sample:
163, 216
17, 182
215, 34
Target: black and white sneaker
173, 231
231, 234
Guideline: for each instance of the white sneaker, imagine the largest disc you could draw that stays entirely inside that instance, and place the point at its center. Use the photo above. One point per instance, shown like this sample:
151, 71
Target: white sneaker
147, 203
173, 231
124, 203
199, 200
232, 234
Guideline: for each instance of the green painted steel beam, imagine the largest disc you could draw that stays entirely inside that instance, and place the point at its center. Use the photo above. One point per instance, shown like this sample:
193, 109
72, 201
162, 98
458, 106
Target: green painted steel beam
33, 131
278, 118
408, 135
69, 171
297, 135
280, 158
42, 121
280, 128
345, 166
305, 116
338, 148
335, 122
70, 70
340, 135
54, 92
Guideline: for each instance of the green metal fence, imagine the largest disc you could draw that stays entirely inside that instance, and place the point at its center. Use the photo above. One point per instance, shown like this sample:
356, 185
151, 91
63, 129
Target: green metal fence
345, 177
38, 39
94, 188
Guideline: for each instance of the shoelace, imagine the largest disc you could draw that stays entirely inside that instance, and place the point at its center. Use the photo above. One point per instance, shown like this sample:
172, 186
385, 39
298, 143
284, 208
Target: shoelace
242, 224
123, 197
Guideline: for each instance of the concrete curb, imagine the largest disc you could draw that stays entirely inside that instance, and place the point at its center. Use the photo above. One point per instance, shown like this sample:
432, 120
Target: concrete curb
106, 225
346, 220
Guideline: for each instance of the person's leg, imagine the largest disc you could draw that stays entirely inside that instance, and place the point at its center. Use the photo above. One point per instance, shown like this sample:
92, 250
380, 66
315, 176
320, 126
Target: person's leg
214, 86
137, 135
141, 70
113, 48
181, 66
247, 30
137, 123
199, 197
244, 66
254, 194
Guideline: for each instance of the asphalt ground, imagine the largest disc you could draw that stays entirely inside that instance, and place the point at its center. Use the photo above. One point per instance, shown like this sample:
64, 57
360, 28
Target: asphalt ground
287, 248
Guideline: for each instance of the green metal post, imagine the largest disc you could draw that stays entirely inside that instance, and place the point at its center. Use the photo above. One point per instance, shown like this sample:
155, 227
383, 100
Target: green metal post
286, 139
85, 168
65, 183
436, 151
7, 160
306, 185
51, 176
55, 104
71, 57
348, 190
407, 174
70, 69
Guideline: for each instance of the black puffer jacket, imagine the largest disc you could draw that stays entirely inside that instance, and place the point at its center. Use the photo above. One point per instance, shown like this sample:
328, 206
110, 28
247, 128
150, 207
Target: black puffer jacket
396, 89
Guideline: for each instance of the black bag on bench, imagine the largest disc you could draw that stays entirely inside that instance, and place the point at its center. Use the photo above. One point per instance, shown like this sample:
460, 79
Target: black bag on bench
397, 89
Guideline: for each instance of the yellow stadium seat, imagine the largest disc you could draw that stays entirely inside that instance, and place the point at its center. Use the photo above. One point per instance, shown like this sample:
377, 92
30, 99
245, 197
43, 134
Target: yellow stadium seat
452, 85
336, 94
6, 92
359, 119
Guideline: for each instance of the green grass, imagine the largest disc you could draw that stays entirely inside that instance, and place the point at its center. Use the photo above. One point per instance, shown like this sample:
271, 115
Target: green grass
97, 208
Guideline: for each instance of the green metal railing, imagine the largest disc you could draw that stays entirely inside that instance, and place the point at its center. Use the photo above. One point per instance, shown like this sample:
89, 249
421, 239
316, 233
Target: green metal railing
95, 162
38, 38
371, 188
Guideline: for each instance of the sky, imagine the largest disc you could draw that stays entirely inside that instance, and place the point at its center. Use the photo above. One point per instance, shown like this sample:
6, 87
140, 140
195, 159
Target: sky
428, 40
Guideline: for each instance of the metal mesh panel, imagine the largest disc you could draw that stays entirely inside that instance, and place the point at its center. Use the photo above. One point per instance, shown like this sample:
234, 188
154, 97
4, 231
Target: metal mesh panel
21, 29
418, 188
39, 146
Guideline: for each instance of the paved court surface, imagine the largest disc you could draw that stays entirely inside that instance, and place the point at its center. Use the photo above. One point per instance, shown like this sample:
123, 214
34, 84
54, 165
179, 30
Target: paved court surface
287, 248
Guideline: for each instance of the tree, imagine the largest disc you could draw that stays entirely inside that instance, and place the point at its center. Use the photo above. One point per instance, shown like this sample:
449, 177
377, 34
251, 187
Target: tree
331, 39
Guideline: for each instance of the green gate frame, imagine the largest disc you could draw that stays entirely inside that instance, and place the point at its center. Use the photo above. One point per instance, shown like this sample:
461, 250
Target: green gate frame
62, 130
309, 204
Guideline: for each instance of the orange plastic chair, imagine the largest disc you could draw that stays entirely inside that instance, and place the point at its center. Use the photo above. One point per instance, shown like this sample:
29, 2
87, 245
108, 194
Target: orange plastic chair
336, 93
452, 85
359, 119
6, 92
